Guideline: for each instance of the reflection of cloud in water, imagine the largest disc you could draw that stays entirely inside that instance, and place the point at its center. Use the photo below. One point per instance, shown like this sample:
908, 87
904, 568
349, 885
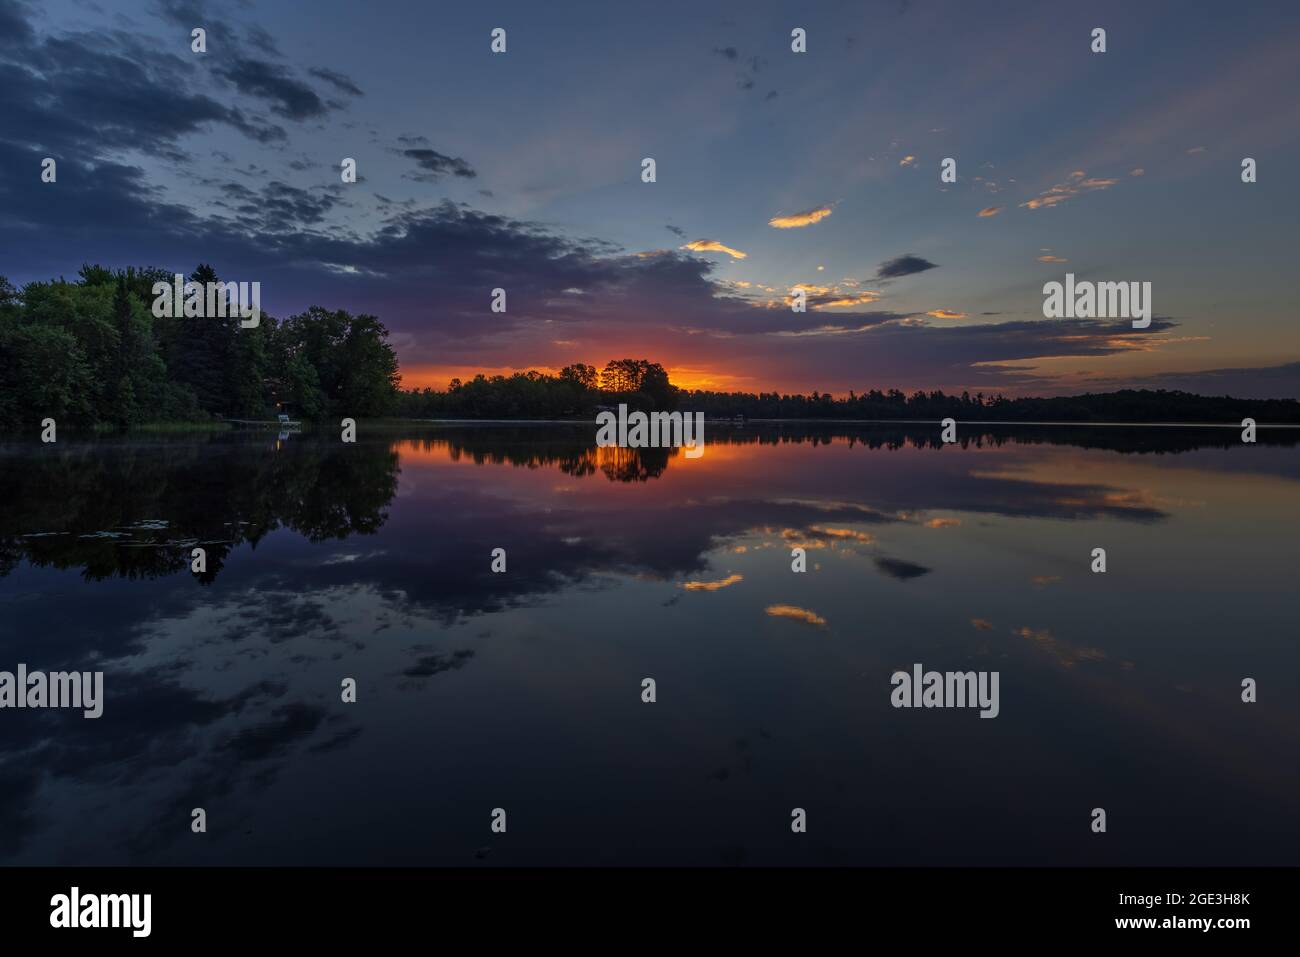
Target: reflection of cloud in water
795, 612
714, 585
903, 571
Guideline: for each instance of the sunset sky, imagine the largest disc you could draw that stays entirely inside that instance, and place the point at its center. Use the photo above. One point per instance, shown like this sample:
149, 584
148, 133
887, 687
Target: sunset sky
523, 171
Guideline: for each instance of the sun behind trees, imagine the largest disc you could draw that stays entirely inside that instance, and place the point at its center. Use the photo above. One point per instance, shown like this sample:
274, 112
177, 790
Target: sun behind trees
577, 392
91, 353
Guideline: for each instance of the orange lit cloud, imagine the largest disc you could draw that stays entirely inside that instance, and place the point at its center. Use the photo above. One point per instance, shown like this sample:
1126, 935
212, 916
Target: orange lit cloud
990, 211
713, 246
1076, 184
943, 523
799, 220
945, 314
981, 624
1052, 259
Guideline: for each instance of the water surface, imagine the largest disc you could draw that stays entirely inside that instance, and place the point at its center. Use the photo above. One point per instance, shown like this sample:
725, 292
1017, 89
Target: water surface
522, 690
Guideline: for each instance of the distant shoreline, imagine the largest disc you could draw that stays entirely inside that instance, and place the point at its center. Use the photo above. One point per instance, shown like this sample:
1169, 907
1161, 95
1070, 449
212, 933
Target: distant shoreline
833, 421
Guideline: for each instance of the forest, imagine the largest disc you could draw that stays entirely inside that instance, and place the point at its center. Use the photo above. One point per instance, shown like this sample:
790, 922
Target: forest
91, 353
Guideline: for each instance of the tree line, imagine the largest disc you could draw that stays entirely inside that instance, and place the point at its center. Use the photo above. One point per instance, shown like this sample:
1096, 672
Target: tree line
90, 352
575, 393
578, 391
1127, 405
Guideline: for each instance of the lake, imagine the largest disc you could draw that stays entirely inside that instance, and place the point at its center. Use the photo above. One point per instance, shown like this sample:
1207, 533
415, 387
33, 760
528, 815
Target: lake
522, 690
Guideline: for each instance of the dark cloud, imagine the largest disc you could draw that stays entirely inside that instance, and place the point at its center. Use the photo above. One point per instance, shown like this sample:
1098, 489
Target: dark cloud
14, 28
676, 231
434, 165
85, 95
905, 265
263, 41
730, 53
189, 14
338, 80
287, 96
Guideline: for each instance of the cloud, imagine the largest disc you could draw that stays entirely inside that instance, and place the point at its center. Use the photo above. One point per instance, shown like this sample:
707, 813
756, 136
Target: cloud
1052, 259
713, 246
85, 96
434, 165
339, 81
1195, 149
729, 53
945, 314
799, 220
676, 231
288, 97
905, 265
1075, 185
989, 211
908, 160
1139, 171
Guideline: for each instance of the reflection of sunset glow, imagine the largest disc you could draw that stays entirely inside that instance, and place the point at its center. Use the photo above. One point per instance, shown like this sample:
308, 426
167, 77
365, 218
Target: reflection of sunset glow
713, 586
795, 612
1066, 654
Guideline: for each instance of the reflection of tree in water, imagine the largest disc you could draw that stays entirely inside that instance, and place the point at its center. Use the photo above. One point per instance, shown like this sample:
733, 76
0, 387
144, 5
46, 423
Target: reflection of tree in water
571, 447
136, 509
572, 450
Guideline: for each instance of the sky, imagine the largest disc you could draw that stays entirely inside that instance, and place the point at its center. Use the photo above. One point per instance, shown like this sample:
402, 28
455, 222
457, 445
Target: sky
522, 170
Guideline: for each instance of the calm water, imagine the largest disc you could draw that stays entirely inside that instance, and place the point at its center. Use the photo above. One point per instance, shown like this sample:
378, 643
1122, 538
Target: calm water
523, 690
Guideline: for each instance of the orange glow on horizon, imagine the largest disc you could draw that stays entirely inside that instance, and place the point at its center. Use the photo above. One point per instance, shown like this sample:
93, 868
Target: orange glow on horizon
438, 377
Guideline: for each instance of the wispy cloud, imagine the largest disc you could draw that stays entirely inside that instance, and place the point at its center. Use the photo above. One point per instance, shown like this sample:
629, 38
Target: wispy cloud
799, 220
1077, 184
713, 246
